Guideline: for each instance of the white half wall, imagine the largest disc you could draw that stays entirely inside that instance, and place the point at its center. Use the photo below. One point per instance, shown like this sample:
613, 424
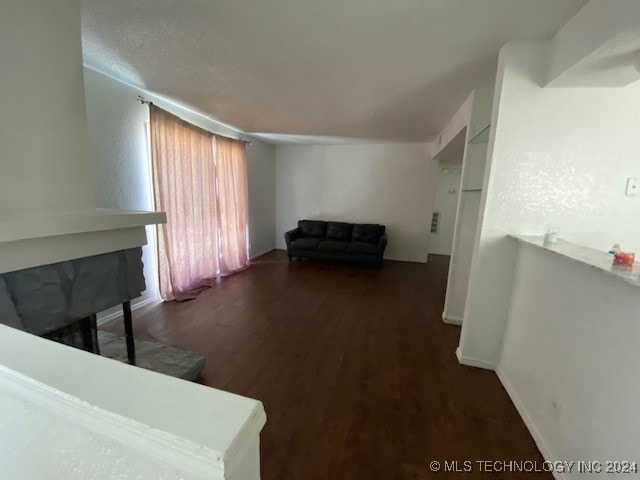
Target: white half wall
90, 417
446, 203
119, 143
570, 359
558, 158
390, 184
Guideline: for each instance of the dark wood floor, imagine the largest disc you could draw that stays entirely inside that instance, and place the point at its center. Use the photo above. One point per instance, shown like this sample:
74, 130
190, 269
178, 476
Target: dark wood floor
355, 368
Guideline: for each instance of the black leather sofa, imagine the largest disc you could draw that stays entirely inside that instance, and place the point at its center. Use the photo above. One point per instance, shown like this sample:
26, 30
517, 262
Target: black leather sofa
355, 242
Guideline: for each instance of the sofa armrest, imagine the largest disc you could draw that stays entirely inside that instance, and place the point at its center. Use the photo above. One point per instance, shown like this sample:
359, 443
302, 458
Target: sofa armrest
382, 244
290, 236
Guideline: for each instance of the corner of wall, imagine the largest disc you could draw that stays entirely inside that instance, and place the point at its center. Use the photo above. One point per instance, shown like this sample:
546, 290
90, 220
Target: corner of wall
459, 120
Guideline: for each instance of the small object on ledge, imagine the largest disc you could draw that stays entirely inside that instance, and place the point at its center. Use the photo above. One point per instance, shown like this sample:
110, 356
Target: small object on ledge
550, 237
615, 249
624, 258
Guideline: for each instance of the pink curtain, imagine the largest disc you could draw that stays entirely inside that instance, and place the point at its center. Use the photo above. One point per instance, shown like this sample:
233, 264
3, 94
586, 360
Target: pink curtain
233, 205
195, 246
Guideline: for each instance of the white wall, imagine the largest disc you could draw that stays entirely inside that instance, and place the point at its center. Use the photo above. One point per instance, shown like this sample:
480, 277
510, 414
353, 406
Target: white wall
570, 359
459, 121
261, 170
390, 184
119, 143
43, 133
446, 203
596, 48
558, 158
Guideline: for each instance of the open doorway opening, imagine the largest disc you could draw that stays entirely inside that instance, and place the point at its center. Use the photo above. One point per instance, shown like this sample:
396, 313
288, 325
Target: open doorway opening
443, 221
466, 224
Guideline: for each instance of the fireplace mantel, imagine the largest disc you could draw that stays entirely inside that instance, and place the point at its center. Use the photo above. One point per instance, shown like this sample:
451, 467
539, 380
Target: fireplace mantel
25, 228
32, 241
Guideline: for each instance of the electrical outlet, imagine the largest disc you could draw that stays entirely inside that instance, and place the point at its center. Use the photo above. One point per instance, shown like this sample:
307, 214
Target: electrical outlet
632, 187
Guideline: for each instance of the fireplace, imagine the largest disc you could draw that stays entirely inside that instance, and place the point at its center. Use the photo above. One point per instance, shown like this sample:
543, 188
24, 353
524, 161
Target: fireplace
47, 298
60, 301
61, 256
61, 267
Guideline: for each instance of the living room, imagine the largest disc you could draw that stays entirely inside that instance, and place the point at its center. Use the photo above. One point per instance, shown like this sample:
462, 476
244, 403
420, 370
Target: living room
363, 369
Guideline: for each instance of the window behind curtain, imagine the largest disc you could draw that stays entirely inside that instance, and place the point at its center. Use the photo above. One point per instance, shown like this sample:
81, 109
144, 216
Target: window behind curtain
200, 181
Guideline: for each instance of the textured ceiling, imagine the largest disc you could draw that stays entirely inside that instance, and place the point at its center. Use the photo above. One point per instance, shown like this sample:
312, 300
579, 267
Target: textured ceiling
364, 69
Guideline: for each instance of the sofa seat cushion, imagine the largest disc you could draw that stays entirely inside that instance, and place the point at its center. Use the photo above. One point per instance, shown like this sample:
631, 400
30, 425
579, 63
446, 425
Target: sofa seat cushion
363, 247
333, 246
306, 243
313, 228
367, 233
339, 231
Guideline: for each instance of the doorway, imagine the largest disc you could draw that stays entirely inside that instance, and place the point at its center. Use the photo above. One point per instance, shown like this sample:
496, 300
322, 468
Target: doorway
443, 221
474, 153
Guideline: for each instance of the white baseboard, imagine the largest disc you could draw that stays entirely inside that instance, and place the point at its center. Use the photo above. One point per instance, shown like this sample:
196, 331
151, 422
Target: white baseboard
451, 320
134, 306
528, 421
258, 254
473, 362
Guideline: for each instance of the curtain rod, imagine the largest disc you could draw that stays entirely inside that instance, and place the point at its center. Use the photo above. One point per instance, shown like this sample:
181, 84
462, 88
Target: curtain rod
144, 101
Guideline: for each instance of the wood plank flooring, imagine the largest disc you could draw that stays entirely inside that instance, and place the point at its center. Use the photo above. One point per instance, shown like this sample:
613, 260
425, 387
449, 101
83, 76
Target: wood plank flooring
356, 370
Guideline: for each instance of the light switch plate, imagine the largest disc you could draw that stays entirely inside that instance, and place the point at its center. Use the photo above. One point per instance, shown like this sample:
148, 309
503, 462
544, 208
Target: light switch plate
632, 186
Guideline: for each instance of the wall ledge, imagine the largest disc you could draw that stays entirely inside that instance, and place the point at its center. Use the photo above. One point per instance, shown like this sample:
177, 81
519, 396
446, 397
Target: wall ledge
589, 257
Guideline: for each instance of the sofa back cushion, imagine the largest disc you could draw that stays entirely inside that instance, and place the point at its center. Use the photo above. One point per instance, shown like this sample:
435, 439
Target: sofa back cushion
313, 228
367, 232
339, 231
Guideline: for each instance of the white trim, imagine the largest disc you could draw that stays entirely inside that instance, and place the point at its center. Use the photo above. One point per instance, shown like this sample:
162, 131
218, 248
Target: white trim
528, 421
459, 355
473, 362
422, 262
451, 320
259, 254
134, 306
